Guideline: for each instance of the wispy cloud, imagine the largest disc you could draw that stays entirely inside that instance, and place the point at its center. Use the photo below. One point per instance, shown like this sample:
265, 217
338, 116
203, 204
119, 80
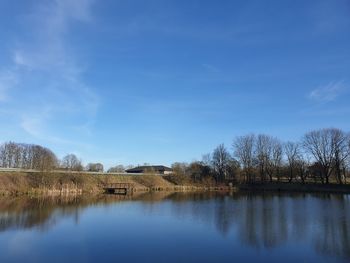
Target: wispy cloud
33, 125
48, 27
8, 79
328, 93
36, 126
45, 80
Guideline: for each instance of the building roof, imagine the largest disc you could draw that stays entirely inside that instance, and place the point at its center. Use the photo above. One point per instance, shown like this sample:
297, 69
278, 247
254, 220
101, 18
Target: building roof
158, 168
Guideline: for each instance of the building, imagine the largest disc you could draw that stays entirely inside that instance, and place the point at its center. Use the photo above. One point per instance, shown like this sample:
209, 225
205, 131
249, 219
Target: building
158, 169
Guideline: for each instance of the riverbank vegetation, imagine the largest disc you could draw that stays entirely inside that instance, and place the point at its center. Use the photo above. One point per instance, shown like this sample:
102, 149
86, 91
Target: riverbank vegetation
319, 157
62, 183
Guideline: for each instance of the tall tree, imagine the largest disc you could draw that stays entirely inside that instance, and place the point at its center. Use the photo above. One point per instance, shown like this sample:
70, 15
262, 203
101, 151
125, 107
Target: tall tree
262, 154
323, 145
293, 154
243, 147
340, 144
268, 155
274, 162
221, 158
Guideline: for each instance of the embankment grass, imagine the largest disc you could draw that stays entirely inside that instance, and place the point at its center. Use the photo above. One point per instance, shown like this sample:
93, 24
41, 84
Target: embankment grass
17, 183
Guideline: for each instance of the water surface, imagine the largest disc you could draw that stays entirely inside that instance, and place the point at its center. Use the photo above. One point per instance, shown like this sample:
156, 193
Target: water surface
177, 227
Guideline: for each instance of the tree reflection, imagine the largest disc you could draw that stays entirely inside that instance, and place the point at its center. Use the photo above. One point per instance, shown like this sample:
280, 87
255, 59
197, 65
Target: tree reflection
271, 220
262, 221
44, 212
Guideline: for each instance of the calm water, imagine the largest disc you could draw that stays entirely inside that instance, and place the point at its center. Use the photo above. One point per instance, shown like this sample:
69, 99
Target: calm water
165, 227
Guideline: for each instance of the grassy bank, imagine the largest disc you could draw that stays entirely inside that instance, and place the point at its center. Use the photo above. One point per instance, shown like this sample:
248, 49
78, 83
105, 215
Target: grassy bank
29, 183
19, 183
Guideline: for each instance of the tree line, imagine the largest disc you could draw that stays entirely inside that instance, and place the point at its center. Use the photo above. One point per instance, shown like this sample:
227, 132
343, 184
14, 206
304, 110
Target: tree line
320, 156
36, 157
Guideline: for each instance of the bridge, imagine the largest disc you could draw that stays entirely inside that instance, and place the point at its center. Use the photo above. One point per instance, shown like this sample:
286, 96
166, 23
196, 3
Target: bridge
118, 188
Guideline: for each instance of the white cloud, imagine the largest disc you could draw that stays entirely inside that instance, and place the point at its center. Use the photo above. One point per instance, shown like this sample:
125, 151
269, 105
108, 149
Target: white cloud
47, 76
48, 28
36, 126
32, 126
19, 60
328, 93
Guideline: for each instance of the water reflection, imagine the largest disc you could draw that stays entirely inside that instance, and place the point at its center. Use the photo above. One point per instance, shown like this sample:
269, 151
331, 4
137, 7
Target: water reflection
45, 212
260, 221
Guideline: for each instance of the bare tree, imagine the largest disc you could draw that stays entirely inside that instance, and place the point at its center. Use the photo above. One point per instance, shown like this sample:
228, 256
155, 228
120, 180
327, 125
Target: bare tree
117, 169
95, 167
324, 146
293, 154
340, 144
268, 154
179, 174
46, 159
8, 155
27, 156
72, 163
262, 154
244, 150
234, 169
347, 161
221, 159
274, 162
302, 168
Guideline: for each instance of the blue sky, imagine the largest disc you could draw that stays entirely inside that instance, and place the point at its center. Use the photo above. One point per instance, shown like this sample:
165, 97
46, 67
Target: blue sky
163, 81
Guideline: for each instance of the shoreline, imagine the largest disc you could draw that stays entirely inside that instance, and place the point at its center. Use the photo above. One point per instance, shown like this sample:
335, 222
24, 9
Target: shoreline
51, 184
295, 187
55, 184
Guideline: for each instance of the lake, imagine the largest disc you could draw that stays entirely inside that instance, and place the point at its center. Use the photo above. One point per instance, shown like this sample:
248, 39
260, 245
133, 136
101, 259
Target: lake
176, 227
